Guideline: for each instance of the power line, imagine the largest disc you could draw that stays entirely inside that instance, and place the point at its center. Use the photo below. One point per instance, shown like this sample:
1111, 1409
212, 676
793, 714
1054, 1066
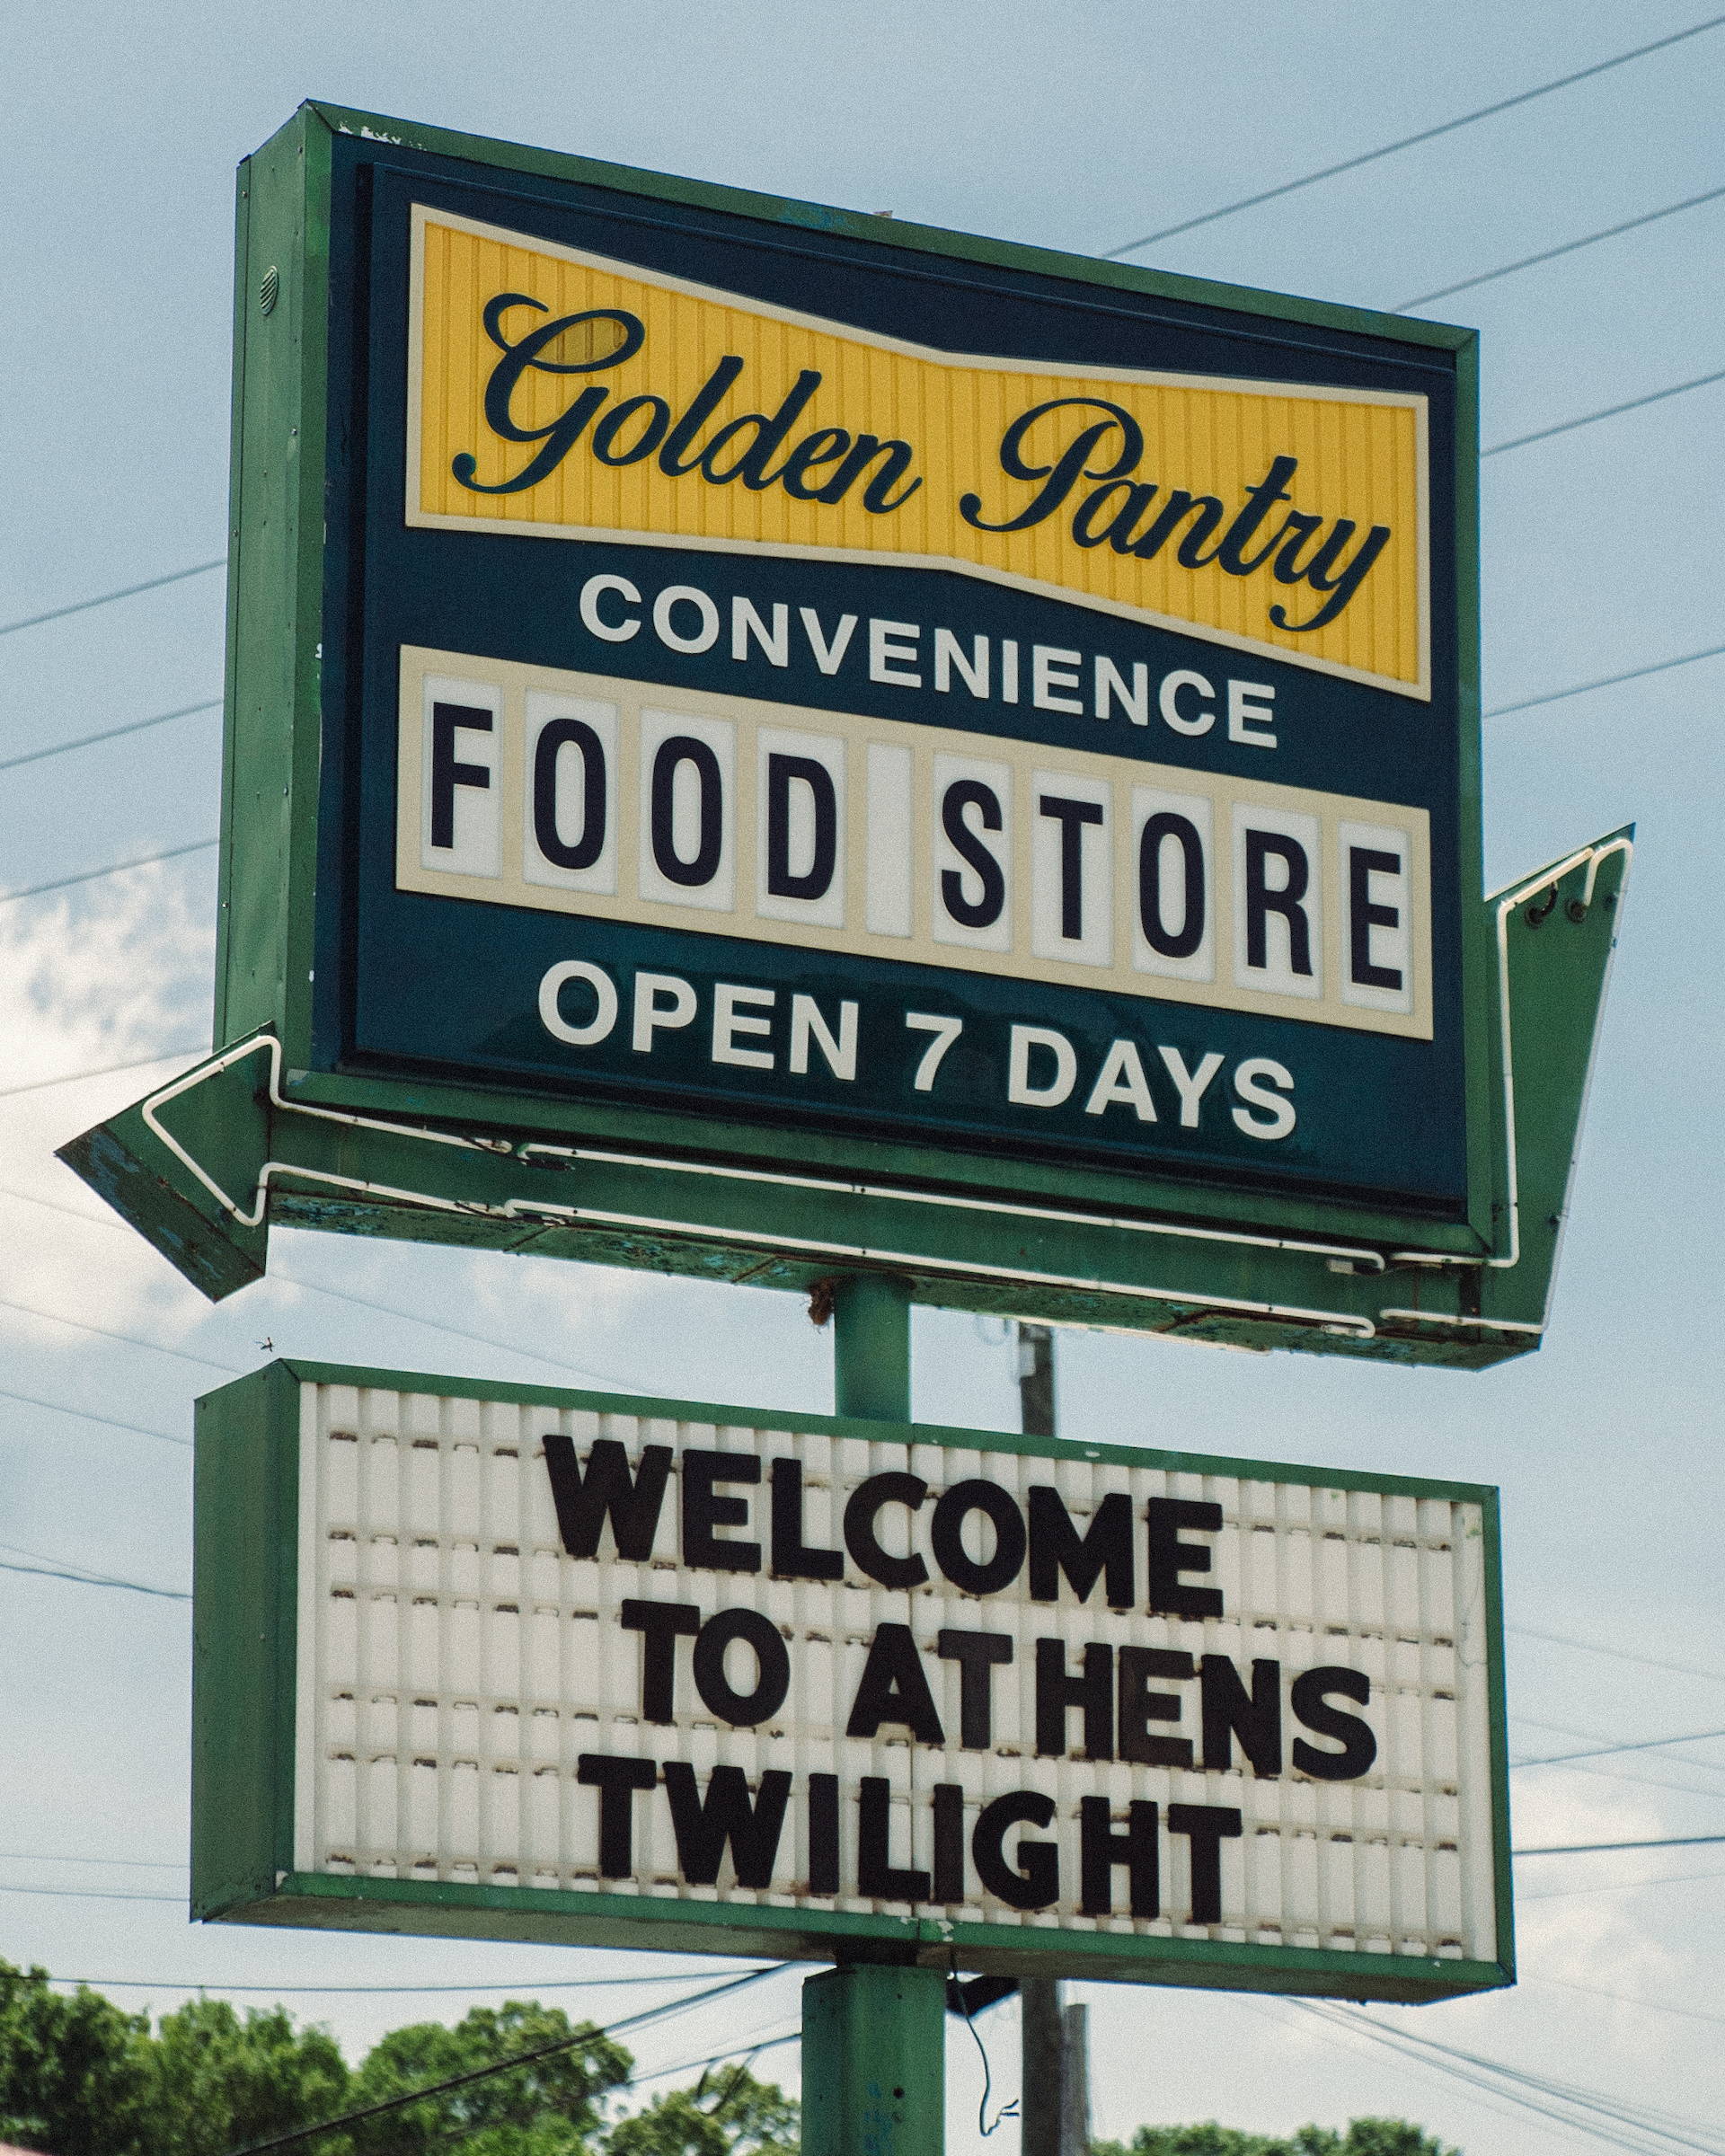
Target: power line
128, 1339
1605, 681
1650, 2006
1531, 261
1531, 1721
1655, 1782
389, 1310
59, 1407
338, 1295
84, 1575
1617, 1654
1667, 2128
1641, 1744
1666, 1879
578, 2041
1521, 2088
1407, 142
38, 1856
1588, 1849
116, 867
52, 1205
105, 1070
658, 2073
107, 598
1504, 2102
1640, 1780
96, 1894
1611, 411
204, 1983
138, 725
1682, 1759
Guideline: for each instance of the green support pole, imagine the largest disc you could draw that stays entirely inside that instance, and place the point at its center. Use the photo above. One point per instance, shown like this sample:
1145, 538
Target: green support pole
874, 2061
873, 2035
872, 1347
1047, 2069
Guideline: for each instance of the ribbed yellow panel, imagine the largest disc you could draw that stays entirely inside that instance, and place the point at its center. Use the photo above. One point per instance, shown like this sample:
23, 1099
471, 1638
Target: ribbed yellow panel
1360, 457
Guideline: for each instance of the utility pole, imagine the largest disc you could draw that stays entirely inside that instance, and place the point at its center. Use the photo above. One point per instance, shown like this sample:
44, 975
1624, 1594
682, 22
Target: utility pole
1053, 2100
873, 2033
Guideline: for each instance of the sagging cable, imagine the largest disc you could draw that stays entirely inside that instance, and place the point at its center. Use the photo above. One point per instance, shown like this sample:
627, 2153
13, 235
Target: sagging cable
1007, 2110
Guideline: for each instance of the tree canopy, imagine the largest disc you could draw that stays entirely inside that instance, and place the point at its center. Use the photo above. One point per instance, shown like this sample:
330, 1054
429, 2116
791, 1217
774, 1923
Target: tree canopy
75, 2072
551, 2108
220, 2083
81, 2077
733, 2114
1360, 2137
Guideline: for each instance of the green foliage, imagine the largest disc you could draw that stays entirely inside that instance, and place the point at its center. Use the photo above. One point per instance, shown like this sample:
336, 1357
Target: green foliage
733, 2116
78, 2077
1363, 2137
74, 2073
221, 2083
1373, 2137
1206, 2140
550, 2109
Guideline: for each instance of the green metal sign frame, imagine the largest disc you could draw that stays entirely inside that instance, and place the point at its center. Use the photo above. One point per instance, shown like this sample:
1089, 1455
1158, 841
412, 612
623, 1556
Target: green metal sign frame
245, 1622
207, 1163
260, 1134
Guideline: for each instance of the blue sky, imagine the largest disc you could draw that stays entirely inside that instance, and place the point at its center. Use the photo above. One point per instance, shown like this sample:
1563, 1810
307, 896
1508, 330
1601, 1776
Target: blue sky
1079, 127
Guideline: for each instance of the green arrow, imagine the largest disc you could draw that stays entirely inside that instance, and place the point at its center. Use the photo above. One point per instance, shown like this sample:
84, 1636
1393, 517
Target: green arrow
168, 1163
206, 1163
1557, 932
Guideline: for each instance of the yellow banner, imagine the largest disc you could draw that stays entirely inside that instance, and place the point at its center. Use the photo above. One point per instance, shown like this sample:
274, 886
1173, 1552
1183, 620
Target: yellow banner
558, 394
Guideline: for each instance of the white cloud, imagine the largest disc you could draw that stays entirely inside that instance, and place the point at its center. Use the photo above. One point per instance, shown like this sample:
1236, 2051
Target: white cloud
108, 975
112, 970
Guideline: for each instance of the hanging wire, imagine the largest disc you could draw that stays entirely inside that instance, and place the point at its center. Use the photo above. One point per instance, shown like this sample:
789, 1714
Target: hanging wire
128, 1339
136, 725
112, 1422
1551, 255
83, 1577
580, 2040
1407, 142
106, 598
105, 1070
114, 868
519, 1986
1610, 411
715, 2109
1607, 681
1007, 2110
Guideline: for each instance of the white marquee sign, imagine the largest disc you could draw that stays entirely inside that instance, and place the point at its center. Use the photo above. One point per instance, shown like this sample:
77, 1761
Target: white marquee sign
1030, 1704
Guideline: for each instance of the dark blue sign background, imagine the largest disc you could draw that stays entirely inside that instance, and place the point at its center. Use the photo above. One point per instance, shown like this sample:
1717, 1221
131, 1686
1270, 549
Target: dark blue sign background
407, 982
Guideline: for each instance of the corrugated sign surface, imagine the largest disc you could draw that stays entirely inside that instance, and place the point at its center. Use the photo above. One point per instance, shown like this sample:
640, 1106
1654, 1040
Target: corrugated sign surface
563, 1647
887, 698
831, 831
557, 391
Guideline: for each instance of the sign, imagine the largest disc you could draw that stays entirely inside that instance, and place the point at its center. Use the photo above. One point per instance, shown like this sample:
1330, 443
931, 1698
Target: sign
753, 699
508, 327
491, 1661
809, 699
